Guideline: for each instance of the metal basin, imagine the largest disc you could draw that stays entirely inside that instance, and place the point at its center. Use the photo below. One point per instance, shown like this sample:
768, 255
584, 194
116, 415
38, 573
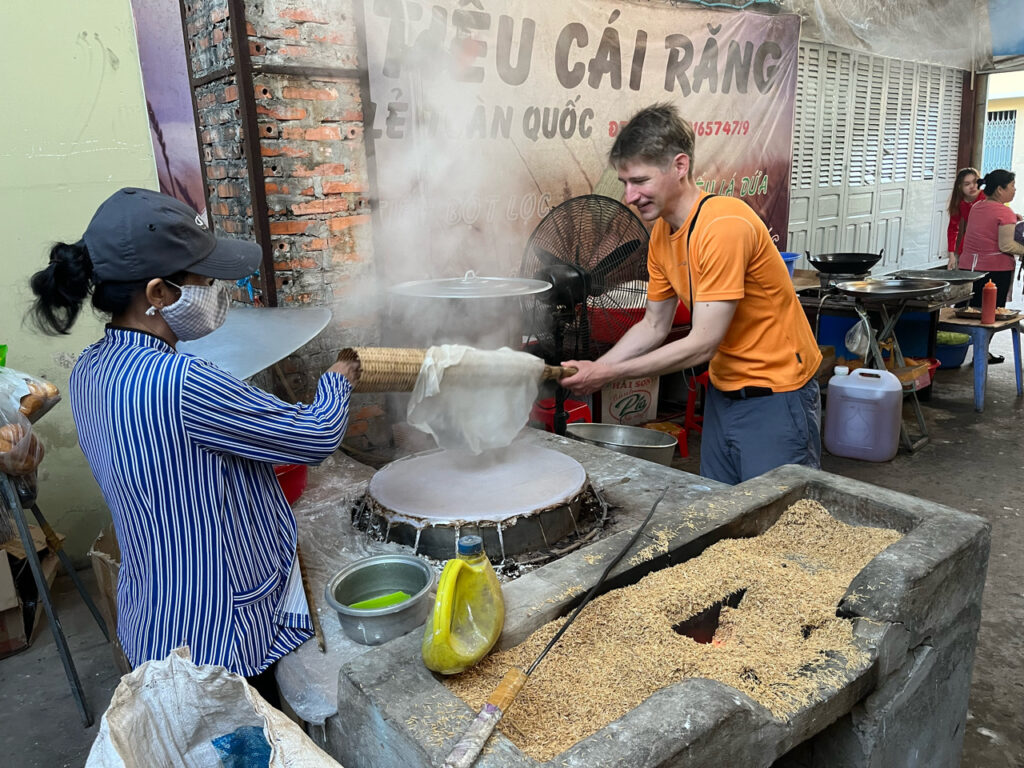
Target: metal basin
951, 276
633, 441
374, 577
881, 290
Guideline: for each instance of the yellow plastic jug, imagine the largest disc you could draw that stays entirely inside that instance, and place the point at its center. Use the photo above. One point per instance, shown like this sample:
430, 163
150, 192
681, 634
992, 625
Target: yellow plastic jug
469, 611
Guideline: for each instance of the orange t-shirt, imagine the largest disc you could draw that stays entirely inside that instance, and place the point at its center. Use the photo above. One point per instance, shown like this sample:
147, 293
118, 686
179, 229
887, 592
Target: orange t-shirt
769, 342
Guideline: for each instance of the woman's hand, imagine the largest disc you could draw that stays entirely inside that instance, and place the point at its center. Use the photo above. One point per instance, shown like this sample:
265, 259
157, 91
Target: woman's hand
951, 260
350, 369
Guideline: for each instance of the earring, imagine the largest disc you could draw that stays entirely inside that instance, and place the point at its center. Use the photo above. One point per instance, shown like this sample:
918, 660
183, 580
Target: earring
151, 311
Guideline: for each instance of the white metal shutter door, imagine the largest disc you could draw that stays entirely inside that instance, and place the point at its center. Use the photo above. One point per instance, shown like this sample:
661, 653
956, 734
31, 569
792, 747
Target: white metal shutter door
833, 147
866, 103
892, 182
805, 127
874, 145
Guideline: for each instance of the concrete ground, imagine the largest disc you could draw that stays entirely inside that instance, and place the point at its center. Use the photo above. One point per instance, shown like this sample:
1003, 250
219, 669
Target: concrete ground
974, 462
39, 722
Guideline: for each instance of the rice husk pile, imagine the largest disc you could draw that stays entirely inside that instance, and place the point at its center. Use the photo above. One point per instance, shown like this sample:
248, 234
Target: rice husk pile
622, 648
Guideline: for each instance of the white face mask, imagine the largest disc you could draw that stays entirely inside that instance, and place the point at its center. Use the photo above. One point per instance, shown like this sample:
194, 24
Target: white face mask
200, 310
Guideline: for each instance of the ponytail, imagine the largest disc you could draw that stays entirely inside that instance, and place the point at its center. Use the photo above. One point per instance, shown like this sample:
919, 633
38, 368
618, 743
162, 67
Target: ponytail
995, 179
61, 288
66, 283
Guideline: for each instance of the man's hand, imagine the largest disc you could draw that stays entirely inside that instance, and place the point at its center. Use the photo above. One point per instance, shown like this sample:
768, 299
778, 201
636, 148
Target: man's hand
588, 378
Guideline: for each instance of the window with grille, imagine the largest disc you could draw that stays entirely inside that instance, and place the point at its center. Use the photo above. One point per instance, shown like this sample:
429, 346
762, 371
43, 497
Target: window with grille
998, 143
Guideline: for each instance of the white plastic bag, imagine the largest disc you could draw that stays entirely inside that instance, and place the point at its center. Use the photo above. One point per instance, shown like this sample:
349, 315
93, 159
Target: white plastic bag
23, 399
26, 394
857, 339
20, 449
173, 713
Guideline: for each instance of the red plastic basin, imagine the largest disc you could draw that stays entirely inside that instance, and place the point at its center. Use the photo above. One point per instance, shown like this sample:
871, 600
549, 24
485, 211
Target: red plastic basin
292, 478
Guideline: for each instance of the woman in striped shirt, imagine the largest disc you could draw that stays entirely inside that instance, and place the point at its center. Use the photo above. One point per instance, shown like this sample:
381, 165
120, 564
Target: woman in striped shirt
182, 451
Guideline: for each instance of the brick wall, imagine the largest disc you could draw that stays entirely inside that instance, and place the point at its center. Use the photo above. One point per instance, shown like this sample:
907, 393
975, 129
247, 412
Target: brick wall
314, 170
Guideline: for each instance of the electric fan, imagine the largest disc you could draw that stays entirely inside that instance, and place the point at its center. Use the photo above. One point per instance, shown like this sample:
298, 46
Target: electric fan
593, 251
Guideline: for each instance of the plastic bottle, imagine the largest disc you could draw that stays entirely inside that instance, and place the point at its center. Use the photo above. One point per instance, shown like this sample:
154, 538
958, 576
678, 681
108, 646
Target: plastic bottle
469, 611
988, 303
863, 415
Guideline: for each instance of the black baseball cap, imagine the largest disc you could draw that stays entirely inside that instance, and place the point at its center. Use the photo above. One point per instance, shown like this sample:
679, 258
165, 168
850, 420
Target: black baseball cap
138, 234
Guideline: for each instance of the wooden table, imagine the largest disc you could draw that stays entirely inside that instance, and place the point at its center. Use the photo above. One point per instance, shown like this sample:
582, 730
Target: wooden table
806, 278
981, 336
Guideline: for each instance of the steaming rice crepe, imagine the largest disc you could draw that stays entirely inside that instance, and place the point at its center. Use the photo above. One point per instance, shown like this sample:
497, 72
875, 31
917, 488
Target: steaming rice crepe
497, 485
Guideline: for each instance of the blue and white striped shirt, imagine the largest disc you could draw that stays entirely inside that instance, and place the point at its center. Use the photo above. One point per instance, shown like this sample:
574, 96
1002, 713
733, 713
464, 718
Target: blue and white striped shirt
184, 455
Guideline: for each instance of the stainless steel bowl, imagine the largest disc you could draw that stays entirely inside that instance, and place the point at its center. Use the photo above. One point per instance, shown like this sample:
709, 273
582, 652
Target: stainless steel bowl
374, 577
633, 441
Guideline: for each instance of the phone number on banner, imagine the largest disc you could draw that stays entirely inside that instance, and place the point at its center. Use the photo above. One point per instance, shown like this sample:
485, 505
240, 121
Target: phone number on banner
700, 127
728, 127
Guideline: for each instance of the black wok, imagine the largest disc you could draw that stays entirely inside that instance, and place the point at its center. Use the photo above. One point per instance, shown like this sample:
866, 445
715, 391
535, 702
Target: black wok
845, 263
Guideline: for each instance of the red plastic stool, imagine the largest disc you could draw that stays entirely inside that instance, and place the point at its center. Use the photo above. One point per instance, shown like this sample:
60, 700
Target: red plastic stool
543, 413
692, 420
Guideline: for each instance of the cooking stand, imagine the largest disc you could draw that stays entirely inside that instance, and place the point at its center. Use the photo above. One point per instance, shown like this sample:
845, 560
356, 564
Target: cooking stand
889, 298
874, 357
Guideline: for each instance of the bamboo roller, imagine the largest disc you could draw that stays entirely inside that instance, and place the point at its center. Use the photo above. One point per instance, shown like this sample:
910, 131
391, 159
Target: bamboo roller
394, 369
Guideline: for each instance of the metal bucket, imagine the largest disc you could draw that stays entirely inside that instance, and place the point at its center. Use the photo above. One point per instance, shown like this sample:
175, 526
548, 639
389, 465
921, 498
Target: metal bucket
374, 577
633, 441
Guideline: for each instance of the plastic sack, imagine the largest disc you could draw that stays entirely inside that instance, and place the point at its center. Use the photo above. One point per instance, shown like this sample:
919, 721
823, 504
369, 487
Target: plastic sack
28, 395
172, 712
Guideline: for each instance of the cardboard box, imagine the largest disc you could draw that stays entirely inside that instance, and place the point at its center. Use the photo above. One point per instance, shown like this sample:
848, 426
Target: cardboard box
106, 564
21, 610
827, 366
632, 401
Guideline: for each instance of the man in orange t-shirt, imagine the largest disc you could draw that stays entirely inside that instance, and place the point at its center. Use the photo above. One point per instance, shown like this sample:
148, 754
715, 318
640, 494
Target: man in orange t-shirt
763, 408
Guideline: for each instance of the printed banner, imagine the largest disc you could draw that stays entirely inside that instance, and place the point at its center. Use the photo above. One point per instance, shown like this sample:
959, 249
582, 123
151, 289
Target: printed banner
485, 115
169, 100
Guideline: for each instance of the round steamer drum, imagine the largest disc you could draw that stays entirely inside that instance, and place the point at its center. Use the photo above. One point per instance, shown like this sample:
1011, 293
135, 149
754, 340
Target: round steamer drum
521, 498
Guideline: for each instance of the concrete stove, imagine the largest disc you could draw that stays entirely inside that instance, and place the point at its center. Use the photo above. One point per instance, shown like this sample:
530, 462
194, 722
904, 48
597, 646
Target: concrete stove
915, 607
308, 678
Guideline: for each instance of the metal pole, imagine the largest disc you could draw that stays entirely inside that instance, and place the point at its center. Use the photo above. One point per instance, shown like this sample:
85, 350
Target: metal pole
251, 146
55, 545
10, 499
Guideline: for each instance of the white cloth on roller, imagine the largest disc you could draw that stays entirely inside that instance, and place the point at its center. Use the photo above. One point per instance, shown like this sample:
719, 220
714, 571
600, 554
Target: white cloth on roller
474, 400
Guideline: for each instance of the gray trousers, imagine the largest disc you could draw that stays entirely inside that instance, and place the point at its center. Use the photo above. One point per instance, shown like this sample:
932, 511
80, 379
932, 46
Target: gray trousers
745, 438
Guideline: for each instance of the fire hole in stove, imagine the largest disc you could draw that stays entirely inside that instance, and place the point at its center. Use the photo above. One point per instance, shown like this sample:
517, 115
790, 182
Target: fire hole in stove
702, 626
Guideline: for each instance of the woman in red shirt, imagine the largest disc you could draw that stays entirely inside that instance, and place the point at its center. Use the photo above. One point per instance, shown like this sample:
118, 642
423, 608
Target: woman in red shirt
988, 244
965, 195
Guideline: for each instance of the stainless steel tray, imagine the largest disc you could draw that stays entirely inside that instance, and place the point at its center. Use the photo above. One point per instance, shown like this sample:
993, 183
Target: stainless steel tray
954, 276
892, 289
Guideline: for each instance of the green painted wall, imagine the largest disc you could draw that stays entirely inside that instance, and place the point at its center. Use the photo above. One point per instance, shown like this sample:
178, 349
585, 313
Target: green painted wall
74, 130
